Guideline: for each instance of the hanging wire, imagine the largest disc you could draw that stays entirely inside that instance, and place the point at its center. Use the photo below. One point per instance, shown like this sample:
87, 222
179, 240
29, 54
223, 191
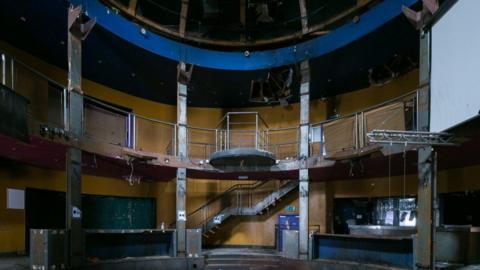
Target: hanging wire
389, 170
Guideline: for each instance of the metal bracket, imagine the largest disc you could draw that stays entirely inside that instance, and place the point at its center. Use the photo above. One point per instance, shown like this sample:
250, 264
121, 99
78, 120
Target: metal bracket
183, 75
418, 18
76, 26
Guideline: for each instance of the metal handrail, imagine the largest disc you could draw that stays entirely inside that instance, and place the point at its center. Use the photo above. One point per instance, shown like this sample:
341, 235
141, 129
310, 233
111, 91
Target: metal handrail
263, 134
376, 106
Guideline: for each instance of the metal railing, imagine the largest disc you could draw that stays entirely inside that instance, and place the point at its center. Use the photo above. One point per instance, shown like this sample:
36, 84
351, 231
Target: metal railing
408, 101
110, 123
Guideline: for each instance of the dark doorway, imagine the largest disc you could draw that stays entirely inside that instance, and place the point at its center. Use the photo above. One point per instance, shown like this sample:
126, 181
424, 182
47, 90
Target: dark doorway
44, 209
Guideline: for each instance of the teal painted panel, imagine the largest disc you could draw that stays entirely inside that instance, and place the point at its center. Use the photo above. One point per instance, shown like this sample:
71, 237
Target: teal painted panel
108, 212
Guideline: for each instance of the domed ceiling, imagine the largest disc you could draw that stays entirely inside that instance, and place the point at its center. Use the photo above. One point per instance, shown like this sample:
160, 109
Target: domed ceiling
346, 41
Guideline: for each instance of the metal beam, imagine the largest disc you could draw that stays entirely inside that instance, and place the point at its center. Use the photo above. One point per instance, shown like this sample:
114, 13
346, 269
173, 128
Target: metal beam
183, 78
425, 257
243, 18
77, 31
183, 18
304, 152
132, 7
303, 16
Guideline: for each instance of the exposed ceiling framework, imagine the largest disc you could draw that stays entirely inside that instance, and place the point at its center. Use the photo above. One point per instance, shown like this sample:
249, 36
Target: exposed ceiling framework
114, 62
241, 23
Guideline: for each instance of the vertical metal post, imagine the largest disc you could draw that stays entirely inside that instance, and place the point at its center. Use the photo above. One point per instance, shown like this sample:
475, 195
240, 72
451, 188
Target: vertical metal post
182, 154
243, 18
65, 108
364, 132
356, 131
4, 72
216, 140
416, 109
425, 253
12, 73
256, 131
227, 139
304, 153
77, 31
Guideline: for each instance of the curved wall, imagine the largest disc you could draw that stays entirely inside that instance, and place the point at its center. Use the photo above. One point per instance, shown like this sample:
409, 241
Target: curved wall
243, 231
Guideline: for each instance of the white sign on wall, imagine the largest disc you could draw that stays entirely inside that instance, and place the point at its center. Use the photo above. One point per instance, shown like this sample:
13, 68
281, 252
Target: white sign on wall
15, 198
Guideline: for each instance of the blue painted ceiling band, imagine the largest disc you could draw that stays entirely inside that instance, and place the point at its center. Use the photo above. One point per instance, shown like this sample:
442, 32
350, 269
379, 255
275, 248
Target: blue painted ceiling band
177, 51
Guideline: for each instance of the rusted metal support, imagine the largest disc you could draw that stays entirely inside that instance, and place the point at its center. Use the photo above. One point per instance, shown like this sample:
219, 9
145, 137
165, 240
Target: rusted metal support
78, 30
132, 7
425, 253
183, 18
182, 154
303, 16
418, 18
183, 79
304, 152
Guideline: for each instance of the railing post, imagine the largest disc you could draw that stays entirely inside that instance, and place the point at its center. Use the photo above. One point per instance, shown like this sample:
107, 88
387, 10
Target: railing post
356, 130
256, 131
4, 72
364, 131
216, 140
227, 139
12, 73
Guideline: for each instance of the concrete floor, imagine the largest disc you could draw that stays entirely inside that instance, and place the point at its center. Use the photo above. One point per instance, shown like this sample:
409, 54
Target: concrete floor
14, 263
22, 262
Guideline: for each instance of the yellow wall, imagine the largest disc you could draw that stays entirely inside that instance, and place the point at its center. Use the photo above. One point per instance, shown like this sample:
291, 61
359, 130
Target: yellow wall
14, 175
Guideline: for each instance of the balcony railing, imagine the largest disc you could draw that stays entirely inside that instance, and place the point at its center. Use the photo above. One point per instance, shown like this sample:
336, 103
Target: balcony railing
113, 124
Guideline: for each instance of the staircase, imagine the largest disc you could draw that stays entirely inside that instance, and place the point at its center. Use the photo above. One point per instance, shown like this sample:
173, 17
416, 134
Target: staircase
239, 200
241, 259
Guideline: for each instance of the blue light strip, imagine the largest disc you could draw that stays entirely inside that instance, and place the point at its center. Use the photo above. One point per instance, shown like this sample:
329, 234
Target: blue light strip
125, 29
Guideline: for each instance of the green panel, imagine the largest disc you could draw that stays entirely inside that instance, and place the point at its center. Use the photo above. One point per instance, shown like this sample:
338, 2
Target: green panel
107, 212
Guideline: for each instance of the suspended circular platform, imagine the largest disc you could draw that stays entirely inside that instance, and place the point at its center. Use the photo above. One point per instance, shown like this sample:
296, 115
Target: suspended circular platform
242, 159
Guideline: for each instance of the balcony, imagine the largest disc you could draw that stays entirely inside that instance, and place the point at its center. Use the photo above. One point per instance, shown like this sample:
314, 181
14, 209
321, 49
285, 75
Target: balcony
120, 133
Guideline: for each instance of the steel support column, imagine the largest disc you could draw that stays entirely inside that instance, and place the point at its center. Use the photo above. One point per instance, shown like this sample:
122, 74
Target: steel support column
182, 154
78, 30
304, 151
182, 150
426, 168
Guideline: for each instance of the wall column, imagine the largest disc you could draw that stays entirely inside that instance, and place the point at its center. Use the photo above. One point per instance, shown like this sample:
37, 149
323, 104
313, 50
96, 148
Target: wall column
427, 205
304, 152
77, 31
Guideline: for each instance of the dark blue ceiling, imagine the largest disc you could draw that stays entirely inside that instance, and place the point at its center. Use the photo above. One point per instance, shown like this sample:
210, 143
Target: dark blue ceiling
39, 28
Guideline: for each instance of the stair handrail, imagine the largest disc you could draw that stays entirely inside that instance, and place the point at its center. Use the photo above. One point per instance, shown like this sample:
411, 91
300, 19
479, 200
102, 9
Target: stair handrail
224, 194
255, 185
